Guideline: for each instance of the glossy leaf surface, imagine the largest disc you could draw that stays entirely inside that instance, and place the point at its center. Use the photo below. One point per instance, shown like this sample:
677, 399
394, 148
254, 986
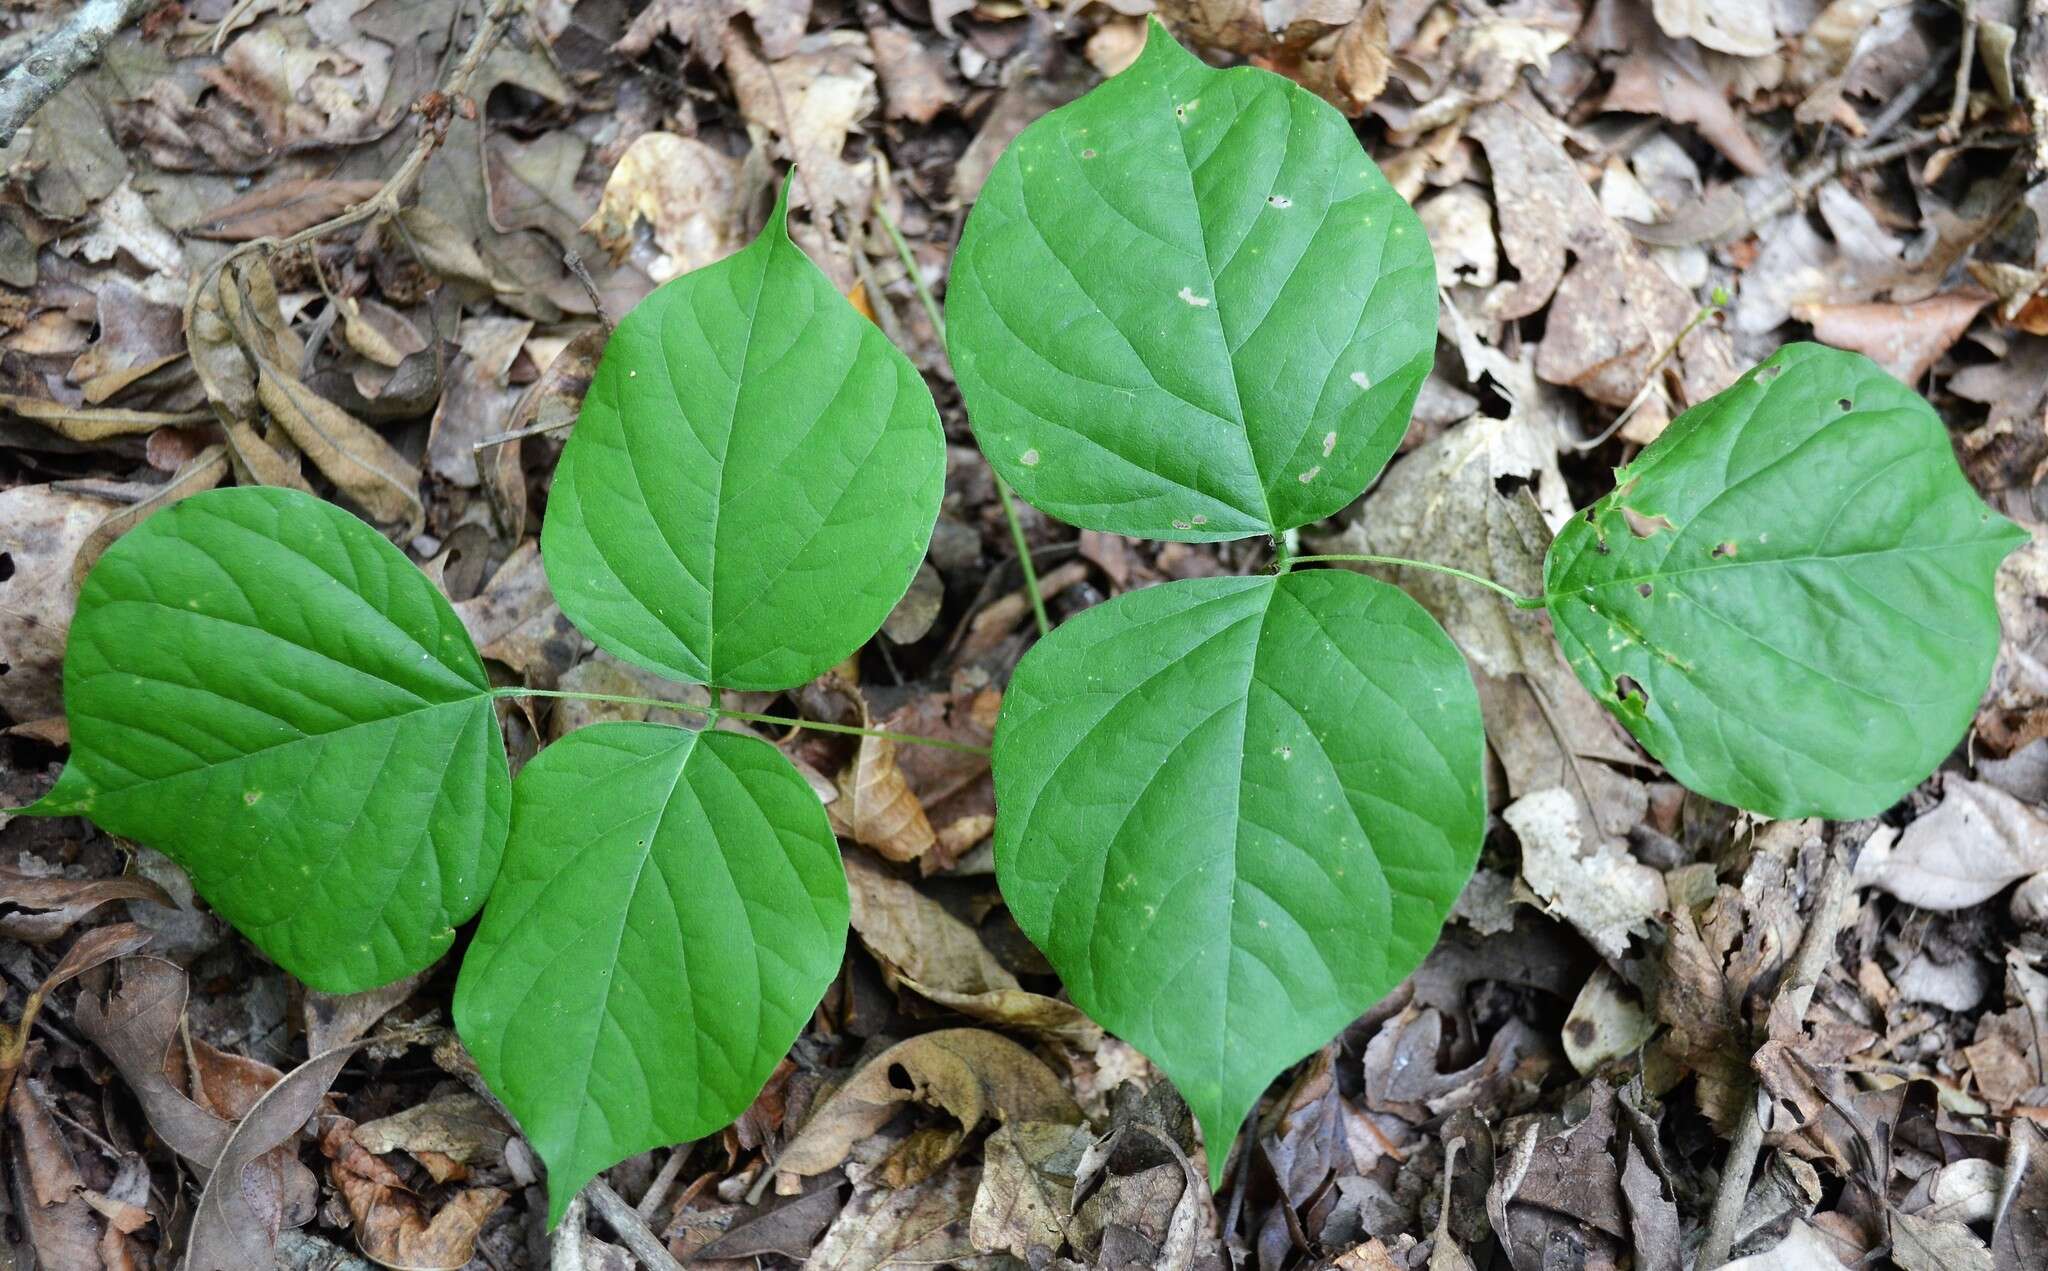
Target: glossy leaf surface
1788, 596
1188, 306
264, 688
752, 481
1234, 813
671, 909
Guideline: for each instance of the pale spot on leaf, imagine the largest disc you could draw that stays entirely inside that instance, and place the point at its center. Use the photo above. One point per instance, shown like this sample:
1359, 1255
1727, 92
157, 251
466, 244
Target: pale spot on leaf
1329, 443
1029, 458
1310, 475
1361, 379
1188, 296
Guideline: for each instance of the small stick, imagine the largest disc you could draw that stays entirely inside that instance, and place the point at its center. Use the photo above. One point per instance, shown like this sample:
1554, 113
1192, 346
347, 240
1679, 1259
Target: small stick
1816, 949
629, 1227
1965, 61
60, 55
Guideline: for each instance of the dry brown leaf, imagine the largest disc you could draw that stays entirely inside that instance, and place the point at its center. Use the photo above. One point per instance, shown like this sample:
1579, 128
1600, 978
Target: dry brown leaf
1977, 841
969, 1073
392, 1225
685, 192
1905, 339
914, 934
203, 471
809, 103
135, 1026
42, 529
876, 807
275, 211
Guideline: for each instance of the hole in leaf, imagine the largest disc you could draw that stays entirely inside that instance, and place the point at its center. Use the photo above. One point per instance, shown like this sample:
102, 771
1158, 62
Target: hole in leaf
899, 1077
1644, 526
1723, 549
1769, 373
1625, 686
1844, 404
1645, 590
1509, 484
6, 566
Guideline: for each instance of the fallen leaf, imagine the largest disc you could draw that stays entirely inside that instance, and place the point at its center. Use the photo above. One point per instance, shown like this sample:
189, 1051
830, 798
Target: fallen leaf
231, 1229
392, 1226
685, 192
1905, 339
1604, 892
283, 208
41, 531
37, 908
970, 1074
1972, 845
135, 1025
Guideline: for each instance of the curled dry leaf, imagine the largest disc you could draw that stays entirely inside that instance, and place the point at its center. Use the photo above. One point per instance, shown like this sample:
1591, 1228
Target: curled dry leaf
231, 1230
35, 908
876, 807
392, 1224
939, 957
968, 1073
135, 1025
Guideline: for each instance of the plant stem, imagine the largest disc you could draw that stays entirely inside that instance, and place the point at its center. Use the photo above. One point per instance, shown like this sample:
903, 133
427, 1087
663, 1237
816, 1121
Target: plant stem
1023, 557
1520, 601
719, 712
931, 308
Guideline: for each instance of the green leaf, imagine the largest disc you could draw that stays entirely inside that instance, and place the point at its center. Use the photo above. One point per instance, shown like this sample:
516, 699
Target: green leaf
671, 910
1188, 306
1234, 813
1788, 596
262, 687
753, 479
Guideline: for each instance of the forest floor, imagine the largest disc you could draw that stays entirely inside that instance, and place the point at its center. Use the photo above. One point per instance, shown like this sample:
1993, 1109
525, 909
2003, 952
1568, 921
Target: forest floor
1557, 1086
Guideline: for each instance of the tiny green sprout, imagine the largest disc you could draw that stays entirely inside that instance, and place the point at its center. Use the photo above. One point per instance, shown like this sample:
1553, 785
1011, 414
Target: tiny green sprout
1234, 813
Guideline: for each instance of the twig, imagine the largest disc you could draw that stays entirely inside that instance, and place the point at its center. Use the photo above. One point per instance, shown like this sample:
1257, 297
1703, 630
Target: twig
1816, 949
1965, 60
629, 1227
60, 55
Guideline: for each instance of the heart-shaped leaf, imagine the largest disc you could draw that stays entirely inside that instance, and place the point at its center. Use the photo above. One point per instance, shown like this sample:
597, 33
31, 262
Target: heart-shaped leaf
1188, 306
1234, 813
1788, 596
671, 909
752, 481
262, 687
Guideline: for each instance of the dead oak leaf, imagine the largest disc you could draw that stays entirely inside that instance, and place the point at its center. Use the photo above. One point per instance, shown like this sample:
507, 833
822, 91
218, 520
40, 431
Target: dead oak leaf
970, 1074
392, 1225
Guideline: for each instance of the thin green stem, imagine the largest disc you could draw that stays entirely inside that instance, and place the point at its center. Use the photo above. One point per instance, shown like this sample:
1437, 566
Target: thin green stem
719, 712
1023, 557
931, 308
1520, 601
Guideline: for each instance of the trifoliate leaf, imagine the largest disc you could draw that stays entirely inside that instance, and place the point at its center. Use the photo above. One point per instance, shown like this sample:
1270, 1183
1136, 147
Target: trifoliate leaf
1788, 596
672, 908
264, 688
1188, 306
1234, 813
753, 479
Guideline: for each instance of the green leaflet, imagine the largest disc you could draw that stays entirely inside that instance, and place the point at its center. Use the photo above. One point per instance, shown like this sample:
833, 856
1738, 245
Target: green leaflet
1798, 579
670, 912
753, 478
1188, 306
261, 686
1234, 813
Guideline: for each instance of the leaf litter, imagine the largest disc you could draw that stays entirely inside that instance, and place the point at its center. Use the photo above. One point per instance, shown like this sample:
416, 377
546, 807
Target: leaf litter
1564, 1074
